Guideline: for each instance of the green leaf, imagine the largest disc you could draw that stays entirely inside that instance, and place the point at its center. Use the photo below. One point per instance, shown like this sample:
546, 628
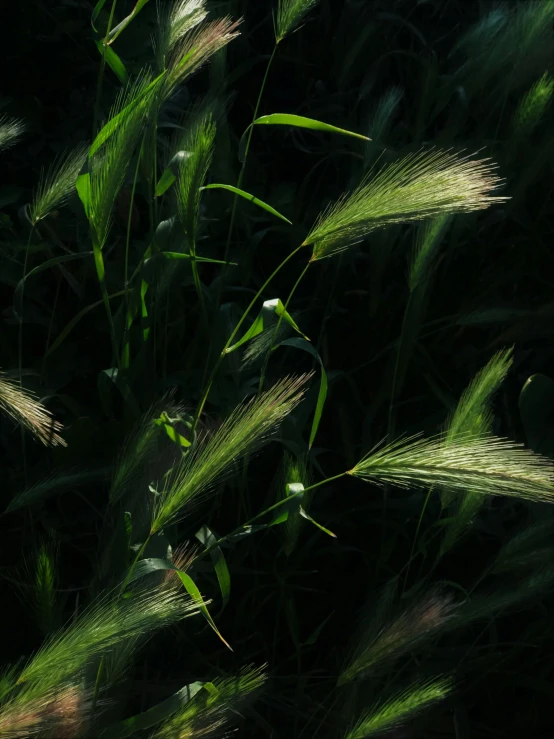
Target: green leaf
96, 12
114, 33
18, 292
169, 425
170, 173
248, 196
315, 523
322, 395
180, 255
82, 186
298, 121
114, 123
266, 317
192, 590
113, 60
154, 715
207, 538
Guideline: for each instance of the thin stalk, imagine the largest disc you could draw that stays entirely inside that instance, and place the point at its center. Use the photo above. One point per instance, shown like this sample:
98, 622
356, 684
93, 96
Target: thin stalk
125, 359
234, 333
242, 168
20, 348
414, 542
100, 270
101, 70
272, 508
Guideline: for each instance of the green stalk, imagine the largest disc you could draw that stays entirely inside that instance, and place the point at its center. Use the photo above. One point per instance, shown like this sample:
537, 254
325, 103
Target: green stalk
20, 349
101, 70
242, 168
234, 333
101, 272
272, 508
125, 359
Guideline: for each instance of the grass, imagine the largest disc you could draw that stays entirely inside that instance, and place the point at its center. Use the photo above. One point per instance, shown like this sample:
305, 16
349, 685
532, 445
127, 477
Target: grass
201, 538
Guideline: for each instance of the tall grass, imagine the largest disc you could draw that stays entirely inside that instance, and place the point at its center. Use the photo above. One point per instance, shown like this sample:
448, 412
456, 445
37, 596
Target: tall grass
182, 415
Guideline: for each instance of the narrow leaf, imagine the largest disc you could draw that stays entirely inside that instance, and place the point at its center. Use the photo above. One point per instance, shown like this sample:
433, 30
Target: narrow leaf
206, 537
248, 196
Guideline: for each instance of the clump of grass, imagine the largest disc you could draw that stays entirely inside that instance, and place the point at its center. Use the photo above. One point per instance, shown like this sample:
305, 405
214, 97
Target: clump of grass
245, 431
11, 130
289, 14
422, 185
395, 711
26, 410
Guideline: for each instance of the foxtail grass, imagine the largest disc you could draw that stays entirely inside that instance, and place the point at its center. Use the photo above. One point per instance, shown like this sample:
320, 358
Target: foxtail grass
290, 14
11, 130
26, 410
388, 638
209, 711
392, 713
484, 465
57, 184
422, 185
533, 106
243, 433
473, 415
102, 626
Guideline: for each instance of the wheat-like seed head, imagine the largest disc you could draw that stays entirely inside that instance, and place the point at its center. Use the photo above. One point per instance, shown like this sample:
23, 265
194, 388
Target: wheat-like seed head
25, 409
422, 185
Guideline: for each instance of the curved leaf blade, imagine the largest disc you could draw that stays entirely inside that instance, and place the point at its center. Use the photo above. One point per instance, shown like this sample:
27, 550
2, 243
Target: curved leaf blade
248, 196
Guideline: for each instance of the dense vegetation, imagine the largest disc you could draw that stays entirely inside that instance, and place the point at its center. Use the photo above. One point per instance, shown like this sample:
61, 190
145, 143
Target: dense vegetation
276, 358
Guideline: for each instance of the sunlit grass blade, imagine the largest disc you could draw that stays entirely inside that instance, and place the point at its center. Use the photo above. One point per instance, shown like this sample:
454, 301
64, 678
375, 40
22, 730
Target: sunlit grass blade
11, 130
247, 428
57, 183
395, 711
533, 105
102, 626
485, 465
388, 637
473, 415
289, 14
24, 408
422, 185
213, 706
